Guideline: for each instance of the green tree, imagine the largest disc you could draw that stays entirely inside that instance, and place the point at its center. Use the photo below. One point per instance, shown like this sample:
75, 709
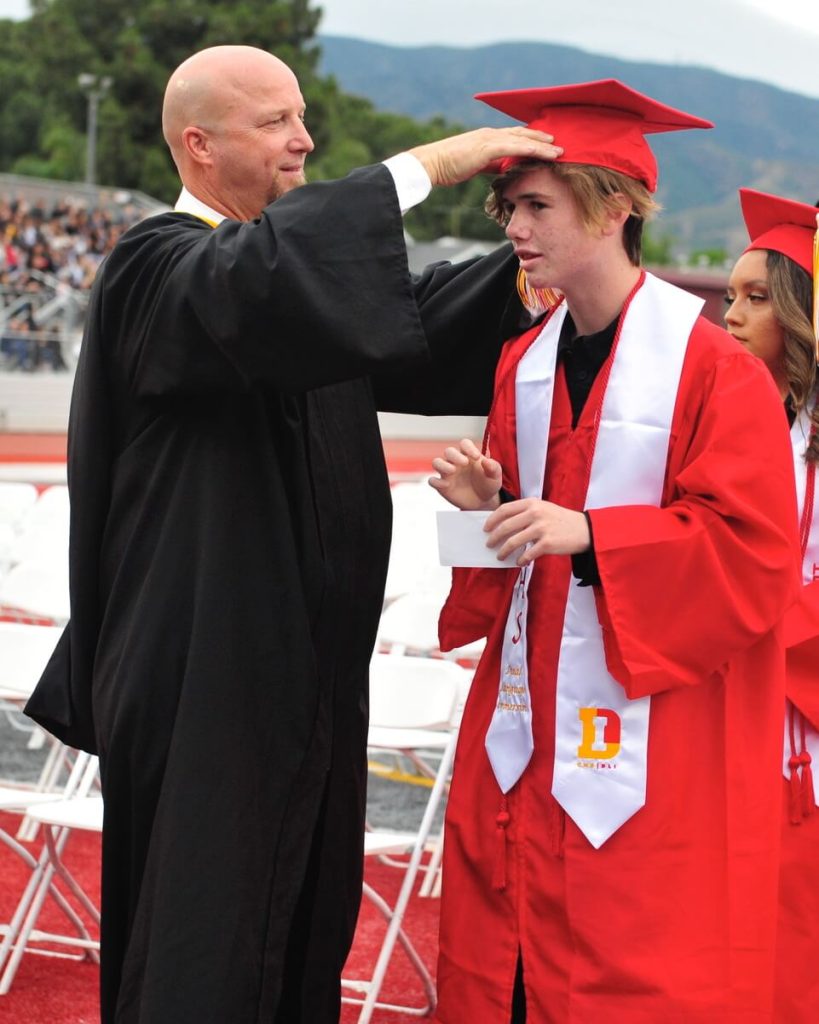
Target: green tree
657, 251
137, 43
708, 258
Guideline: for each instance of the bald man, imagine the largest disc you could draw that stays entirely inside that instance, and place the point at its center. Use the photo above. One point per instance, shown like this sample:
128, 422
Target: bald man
230, 532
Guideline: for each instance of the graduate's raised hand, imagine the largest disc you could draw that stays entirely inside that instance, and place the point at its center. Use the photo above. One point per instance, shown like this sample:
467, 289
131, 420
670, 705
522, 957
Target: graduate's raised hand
546, 528
449, 161
466, 478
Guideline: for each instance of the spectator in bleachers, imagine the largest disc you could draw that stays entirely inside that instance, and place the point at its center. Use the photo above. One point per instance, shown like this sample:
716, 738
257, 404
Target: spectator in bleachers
49, 350
55, 241
18, 347
43, 250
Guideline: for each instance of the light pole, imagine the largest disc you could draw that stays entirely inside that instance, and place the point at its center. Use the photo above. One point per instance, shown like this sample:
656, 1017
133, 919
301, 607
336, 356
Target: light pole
95, 88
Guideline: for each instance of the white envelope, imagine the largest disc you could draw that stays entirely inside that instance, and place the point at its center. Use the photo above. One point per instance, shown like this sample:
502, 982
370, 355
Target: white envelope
462, 541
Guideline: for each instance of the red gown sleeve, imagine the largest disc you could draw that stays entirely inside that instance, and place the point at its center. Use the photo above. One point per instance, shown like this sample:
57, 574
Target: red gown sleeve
686, 586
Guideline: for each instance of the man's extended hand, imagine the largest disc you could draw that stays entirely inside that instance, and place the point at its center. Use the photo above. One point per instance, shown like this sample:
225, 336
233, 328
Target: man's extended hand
547, 528
468, 479
459, 157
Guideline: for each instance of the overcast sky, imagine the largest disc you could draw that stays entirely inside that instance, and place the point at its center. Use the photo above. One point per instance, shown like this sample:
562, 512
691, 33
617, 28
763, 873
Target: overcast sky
775, 41
772, 40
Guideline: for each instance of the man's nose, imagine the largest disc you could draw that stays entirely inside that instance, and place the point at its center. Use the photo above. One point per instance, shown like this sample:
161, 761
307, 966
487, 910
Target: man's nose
302, 141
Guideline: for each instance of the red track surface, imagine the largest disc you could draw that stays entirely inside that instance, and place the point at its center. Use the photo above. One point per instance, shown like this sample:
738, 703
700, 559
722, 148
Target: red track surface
403, 456
32, 447
56, 991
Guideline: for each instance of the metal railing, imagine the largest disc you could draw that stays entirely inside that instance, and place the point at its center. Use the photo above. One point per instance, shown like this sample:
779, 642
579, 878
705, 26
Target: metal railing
30, 351
53, 193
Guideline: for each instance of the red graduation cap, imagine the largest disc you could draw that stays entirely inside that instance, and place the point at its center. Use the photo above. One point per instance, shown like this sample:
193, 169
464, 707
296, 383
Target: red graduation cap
600, 123
782, 225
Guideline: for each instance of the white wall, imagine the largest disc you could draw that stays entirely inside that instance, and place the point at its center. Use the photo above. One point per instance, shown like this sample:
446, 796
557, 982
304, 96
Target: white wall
34, 402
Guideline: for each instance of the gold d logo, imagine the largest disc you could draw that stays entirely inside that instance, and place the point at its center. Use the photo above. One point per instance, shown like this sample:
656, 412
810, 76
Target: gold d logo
601, 734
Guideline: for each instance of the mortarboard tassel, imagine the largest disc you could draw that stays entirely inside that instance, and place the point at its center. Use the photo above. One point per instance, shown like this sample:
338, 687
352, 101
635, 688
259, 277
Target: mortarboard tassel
795, 791
536, 300
808, 800
808, 793
794, 761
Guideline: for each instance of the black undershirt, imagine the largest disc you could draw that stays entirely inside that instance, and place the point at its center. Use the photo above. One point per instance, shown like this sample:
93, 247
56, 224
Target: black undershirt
583, 355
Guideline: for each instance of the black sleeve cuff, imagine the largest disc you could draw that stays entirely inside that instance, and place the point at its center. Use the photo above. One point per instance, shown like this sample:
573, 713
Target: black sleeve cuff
584, 565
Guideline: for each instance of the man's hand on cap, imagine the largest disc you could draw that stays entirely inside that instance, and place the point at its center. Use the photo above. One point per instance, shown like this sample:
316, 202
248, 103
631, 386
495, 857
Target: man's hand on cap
455, 159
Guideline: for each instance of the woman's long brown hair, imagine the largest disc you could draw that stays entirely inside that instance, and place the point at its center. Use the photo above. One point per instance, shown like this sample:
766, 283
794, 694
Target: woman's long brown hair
791, 291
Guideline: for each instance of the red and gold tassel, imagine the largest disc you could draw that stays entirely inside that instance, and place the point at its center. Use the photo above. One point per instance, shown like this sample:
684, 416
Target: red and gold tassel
536, 300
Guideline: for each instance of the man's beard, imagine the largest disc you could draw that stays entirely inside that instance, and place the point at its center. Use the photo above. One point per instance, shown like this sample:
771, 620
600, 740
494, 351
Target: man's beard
281, 187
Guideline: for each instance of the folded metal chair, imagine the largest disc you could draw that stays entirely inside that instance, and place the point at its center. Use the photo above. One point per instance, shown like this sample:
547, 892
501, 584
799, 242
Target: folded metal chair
413, 704
76, 810
24, 652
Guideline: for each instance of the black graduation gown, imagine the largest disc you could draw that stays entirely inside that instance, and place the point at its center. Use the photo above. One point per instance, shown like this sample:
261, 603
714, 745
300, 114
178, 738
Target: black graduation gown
230, 532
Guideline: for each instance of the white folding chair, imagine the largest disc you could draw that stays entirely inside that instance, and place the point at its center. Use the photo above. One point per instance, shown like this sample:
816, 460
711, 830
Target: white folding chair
413, 703
382, 844
34, 590
51, 507
410, 625
8, 539
77, 810
15, 501
24, 651
41, 543
413, 564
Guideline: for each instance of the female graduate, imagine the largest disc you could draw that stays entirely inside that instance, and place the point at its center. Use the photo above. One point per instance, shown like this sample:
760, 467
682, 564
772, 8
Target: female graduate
770, 308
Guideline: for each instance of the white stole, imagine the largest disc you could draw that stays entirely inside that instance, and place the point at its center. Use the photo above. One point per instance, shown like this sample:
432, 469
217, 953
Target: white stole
800, 436
509, 739
600, 735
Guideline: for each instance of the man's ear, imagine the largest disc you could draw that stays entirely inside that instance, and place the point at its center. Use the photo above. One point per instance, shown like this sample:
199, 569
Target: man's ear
197, 144
616, 214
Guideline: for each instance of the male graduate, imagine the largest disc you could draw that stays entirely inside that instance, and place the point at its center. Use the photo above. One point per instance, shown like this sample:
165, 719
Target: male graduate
230, 529
612, 829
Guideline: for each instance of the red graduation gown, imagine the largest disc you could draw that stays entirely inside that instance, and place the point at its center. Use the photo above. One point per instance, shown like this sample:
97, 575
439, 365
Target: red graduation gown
797, 982
673, 918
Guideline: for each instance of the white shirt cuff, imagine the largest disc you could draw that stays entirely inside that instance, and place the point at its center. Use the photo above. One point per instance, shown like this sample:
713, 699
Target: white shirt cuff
412, 182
